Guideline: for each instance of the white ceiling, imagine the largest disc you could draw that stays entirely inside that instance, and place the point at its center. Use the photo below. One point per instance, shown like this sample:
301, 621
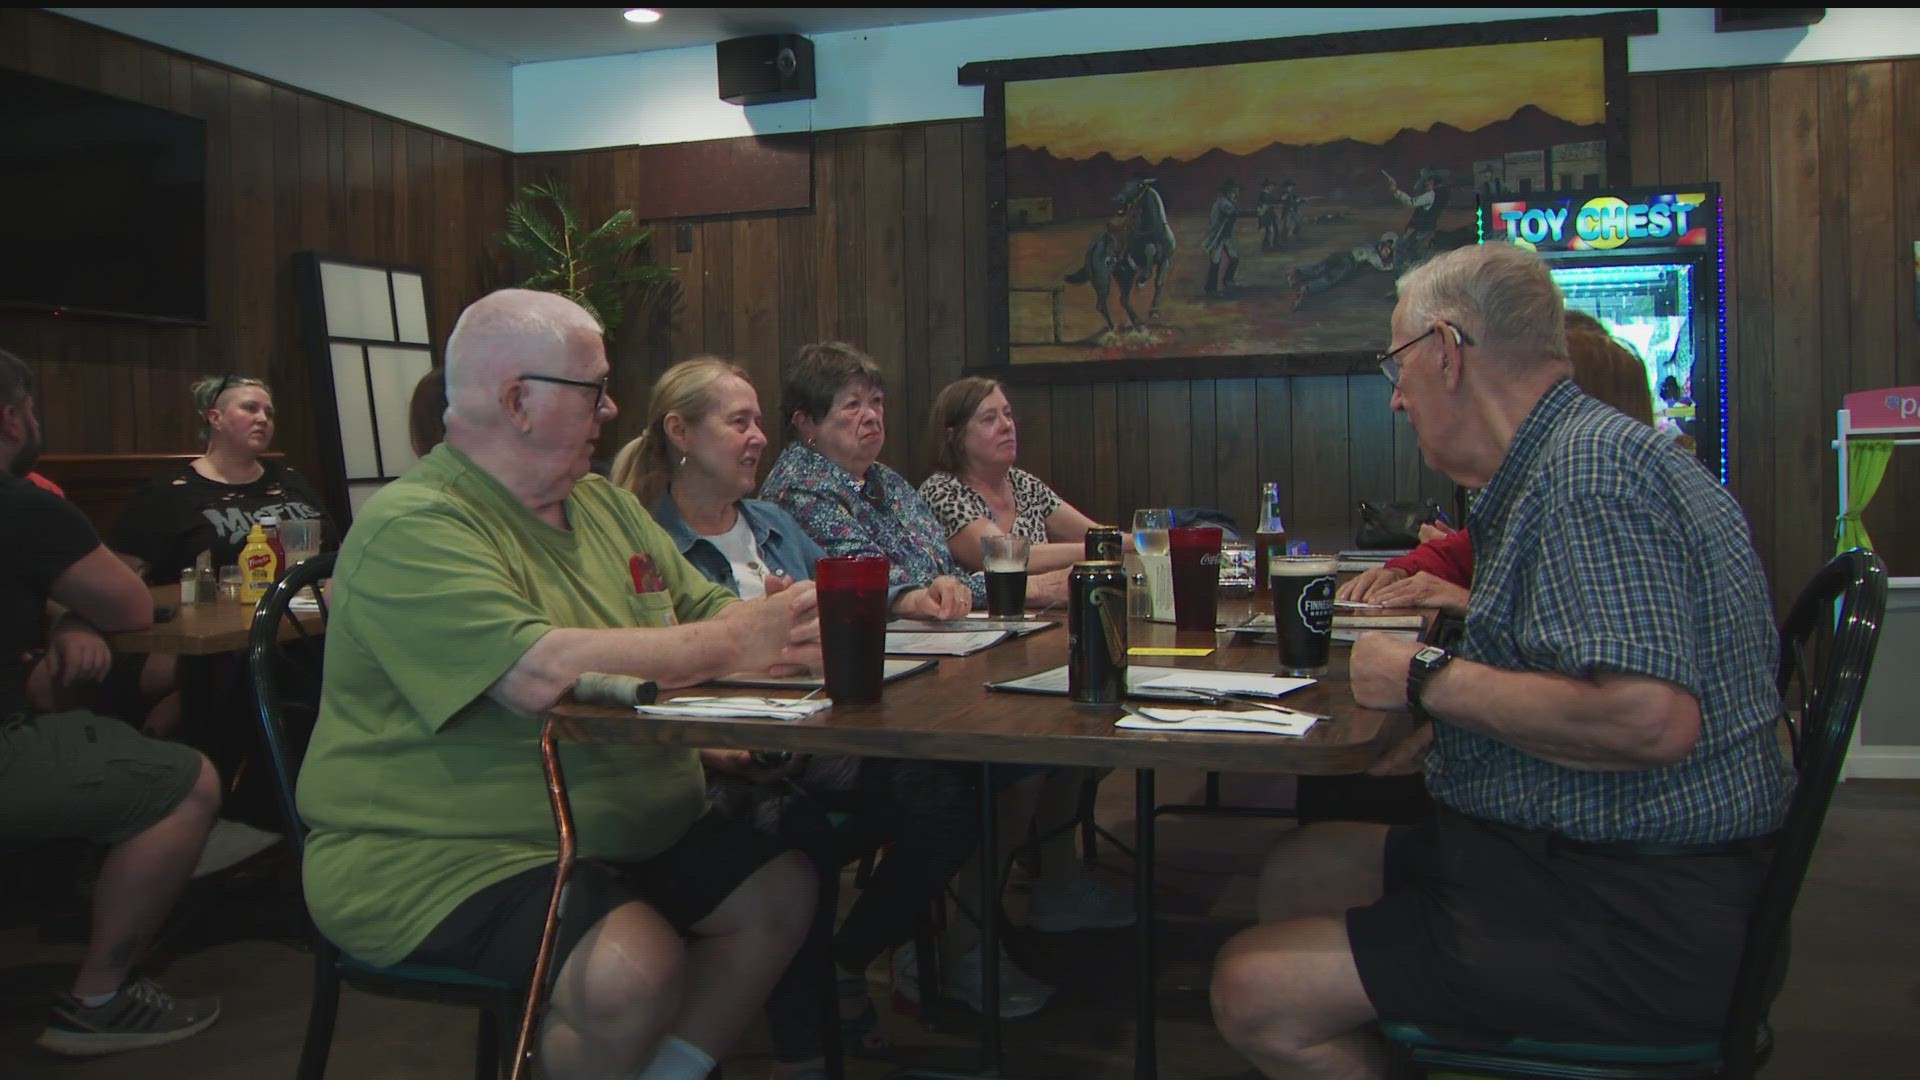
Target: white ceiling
535, 35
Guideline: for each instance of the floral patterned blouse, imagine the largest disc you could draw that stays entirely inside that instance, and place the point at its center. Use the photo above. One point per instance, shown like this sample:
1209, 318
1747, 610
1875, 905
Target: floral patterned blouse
878, 515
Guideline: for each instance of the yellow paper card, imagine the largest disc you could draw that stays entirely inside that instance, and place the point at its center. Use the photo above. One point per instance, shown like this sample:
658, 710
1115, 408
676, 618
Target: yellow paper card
1150, 650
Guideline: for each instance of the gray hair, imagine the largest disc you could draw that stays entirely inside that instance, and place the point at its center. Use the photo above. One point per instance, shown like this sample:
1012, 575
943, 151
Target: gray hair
503, 328
1503, 296
206, 393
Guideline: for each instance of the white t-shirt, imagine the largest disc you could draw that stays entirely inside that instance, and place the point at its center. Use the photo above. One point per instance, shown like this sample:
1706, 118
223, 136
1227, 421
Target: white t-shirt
749, 569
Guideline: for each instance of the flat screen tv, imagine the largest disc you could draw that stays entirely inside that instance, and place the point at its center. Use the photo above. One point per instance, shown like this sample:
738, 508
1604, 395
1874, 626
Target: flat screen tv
105, 205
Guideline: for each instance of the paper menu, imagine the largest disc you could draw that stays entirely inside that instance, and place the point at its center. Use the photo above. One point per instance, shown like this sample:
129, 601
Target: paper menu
943, 644
1164, 719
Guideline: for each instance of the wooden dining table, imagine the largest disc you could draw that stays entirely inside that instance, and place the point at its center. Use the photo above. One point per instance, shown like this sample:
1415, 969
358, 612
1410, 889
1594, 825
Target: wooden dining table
948, 713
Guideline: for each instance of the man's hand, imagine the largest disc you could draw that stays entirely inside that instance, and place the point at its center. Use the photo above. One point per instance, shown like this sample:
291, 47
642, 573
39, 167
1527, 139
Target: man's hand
1434, 530
1406, 757
1422, 590
782, 629
1379, 670
76, 653
943, 598
1361, 588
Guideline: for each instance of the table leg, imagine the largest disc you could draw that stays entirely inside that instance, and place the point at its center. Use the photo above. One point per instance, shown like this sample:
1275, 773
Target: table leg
1145, 1047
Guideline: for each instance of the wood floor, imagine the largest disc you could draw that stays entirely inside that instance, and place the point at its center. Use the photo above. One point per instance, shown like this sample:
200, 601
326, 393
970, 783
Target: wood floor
1849, 1009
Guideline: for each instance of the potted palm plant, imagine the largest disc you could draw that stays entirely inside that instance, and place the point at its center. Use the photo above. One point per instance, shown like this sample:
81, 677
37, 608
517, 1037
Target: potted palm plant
594, 268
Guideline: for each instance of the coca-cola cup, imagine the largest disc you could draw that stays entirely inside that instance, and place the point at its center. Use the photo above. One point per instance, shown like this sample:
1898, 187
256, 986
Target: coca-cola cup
1303, 610
853, 625
1194, 551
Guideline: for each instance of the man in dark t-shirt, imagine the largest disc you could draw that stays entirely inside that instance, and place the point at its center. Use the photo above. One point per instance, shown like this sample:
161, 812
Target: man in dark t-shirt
76, 775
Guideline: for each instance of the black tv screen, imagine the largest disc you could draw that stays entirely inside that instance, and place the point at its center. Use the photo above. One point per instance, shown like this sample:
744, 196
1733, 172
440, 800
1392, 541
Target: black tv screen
105, 205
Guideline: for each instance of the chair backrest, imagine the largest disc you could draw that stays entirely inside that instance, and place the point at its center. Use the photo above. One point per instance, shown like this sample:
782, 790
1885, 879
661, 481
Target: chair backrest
1824, 661
286, 678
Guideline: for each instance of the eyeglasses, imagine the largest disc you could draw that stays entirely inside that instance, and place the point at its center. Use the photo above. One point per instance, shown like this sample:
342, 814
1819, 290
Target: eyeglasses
598, 387
1390, 367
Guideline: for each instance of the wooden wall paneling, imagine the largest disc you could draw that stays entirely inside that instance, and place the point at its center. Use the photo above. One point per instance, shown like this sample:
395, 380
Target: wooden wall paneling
689, 313
421, 214
1102, 437
254, 255
756, 280
1133, 450
716, 268
1033, 420
947, 237
1750, 266
973, 172
1203, 483
1800, 457
1370, 459
356, 215
211, 100
485, 268
1901, 486
1070, 454
847, 320
50, 49
16, 38
1683, 126
399, 187
315, 164
1321, 499
828, 170
1874, 258
800, 244
1273, 440
1835, 179
1722, 166
380, 185
881, 152
453, 232
1168, 434
119, 68
1236, 459
921, 380
1643, 129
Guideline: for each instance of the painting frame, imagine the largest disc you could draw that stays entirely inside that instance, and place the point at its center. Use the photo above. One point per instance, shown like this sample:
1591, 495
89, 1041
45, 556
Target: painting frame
1613, 29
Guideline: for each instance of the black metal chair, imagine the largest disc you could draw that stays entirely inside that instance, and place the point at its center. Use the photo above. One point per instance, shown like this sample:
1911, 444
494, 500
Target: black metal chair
286, 678
1824, 661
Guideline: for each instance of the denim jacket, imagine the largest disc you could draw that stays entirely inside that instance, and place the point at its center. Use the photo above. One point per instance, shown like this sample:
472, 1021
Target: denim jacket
786, 547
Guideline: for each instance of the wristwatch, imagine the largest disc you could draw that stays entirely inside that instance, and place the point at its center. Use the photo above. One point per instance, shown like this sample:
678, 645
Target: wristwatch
1420, 671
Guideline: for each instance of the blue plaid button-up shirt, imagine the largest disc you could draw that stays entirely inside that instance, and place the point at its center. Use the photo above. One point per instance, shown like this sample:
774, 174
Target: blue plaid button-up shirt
1600, 547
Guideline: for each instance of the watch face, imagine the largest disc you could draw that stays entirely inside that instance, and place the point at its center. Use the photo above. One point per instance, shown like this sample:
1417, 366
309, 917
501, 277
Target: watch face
1429, 654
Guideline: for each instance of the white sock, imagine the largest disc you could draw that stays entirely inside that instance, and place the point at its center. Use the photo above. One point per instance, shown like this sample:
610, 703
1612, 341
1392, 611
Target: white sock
677, 1059
94, 1001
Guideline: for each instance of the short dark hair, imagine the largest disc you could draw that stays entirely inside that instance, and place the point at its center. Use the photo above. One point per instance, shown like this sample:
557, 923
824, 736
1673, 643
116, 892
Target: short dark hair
16, 378
822, 370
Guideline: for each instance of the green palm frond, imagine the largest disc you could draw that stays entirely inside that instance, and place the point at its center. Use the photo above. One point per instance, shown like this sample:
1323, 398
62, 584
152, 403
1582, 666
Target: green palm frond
596, 269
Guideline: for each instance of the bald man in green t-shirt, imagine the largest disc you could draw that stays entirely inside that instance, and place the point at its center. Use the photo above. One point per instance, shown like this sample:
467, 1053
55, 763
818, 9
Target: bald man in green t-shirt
469, 596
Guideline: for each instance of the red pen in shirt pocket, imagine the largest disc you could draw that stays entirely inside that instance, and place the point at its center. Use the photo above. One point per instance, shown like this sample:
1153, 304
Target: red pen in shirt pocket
646, 576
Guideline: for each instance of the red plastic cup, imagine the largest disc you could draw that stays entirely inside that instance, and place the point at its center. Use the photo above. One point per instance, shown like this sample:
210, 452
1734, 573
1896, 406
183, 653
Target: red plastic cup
1194, 551
853, 624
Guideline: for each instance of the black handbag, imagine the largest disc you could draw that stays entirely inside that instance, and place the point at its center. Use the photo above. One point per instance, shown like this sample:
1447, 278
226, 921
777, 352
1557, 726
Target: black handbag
1395, 526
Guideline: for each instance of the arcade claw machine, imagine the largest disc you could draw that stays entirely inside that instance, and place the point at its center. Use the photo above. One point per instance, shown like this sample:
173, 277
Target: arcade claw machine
1650, 264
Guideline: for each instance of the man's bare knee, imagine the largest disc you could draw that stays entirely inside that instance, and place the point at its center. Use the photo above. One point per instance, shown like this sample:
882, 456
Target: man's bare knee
204, 799
1248, 999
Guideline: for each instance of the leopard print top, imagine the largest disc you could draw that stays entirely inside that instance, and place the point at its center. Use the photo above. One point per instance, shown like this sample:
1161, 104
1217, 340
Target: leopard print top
957, 505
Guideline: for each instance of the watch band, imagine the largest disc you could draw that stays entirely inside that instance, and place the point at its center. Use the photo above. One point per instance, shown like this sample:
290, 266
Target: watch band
1420, 671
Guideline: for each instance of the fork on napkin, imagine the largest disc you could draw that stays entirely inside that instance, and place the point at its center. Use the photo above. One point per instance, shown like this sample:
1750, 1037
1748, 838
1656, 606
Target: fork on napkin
1257, 723
768, 707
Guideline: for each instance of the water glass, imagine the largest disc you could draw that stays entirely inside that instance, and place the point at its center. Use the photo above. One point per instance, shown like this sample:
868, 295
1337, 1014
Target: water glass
1150, 531
301, 539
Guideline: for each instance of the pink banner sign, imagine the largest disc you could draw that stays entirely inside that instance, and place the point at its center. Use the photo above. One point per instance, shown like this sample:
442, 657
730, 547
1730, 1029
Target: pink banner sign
1894, 407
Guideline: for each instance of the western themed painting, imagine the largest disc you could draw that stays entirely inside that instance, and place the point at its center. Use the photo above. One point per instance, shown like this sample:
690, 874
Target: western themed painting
1263, 209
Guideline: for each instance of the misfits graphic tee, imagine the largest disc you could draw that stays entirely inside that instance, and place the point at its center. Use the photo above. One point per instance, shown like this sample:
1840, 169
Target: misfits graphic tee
178, 516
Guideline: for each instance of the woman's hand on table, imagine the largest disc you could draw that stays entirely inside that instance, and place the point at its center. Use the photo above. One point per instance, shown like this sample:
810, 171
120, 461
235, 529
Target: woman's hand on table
1378, 670
1421, 590
942, 598
1047, 590
1361, 589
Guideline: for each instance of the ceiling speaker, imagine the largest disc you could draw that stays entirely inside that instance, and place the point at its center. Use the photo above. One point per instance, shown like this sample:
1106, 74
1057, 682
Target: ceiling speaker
765, 68
1759, 18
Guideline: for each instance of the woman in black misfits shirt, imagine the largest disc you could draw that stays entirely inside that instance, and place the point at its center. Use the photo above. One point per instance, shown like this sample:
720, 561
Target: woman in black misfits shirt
210, 505
213, 502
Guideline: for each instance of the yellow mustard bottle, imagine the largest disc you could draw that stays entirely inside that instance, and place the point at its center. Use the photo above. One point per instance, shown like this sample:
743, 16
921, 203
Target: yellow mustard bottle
258, 566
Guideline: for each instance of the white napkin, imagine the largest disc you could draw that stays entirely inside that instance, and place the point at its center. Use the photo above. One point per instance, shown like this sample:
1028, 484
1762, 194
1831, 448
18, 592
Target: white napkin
770, 707
1256, 723
1222, 682
304, 602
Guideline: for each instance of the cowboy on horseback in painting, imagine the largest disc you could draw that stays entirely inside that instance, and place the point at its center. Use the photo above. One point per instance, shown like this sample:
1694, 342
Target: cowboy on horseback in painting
1135, 245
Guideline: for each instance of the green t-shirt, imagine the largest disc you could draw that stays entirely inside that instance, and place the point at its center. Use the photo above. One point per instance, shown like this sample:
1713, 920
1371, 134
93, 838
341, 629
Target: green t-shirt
421, 790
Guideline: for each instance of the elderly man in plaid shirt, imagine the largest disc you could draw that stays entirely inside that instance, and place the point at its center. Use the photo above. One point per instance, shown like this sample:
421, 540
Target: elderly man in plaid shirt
1600, 748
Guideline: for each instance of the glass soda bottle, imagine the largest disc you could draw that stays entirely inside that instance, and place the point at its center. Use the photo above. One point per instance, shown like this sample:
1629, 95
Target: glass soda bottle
1270, 540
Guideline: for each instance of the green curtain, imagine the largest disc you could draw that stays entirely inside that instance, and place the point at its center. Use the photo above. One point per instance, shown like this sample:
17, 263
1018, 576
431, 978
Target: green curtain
1866, 464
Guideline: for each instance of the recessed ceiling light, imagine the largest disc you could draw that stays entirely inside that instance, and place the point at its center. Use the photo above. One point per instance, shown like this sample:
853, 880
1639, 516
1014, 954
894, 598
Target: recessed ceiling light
642, 15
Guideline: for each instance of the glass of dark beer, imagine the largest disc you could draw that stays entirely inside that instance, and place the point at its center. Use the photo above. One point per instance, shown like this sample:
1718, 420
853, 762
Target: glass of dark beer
853, 625
1006, 562
1303, 610
1194, 552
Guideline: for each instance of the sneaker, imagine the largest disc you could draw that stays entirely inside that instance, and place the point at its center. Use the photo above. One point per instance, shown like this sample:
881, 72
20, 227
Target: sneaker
1020, 993
141, 1014
1084, 905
